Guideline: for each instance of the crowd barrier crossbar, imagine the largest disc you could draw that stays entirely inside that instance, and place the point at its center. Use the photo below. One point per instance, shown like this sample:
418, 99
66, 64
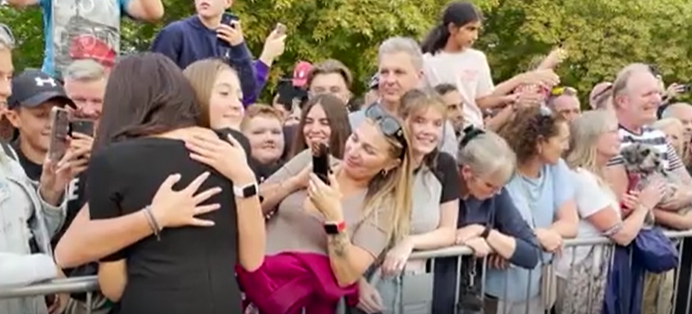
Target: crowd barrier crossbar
90, 283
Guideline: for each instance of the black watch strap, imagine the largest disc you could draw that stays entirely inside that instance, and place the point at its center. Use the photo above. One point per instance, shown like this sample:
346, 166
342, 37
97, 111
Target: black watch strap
486, 232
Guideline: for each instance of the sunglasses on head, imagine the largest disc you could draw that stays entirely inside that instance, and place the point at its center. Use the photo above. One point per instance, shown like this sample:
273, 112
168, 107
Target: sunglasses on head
6, 35
602, 92
561, 90
387, 123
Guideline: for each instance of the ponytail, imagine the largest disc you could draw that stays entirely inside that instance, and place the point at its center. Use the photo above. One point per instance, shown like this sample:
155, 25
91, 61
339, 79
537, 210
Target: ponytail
436, 39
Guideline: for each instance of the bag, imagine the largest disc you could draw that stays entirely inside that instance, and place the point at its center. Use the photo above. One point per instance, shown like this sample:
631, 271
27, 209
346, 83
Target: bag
655, 251
548, 288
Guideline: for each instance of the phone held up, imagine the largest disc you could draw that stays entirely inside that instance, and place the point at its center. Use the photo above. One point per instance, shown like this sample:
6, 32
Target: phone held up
320, 162
82, 126
59, 130
280, 29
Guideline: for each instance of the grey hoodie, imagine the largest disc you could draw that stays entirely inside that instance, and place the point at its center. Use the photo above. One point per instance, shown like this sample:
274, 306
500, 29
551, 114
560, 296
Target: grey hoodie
23, 215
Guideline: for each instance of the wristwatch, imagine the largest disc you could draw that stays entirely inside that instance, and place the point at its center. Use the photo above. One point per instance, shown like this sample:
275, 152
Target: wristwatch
245, 191
334, 227
486, 232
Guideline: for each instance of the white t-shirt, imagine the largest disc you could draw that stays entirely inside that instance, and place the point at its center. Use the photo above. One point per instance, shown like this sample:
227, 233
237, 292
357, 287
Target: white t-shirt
468, 70
591, 197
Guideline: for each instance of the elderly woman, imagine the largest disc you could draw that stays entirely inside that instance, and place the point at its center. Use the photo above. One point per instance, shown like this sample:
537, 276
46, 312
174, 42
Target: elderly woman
489, 223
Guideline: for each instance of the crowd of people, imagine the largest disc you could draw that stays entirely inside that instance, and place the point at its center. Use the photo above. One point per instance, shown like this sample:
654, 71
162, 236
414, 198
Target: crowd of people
189, 196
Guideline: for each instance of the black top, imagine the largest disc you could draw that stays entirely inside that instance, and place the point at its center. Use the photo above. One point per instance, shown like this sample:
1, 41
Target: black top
447, 172
190, 270
32, 169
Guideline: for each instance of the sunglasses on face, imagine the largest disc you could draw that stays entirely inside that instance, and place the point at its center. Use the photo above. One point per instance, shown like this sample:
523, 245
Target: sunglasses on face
387, 124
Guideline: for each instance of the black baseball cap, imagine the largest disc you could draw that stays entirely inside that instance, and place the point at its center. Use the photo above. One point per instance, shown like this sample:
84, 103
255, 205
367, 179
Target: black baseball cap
32, 88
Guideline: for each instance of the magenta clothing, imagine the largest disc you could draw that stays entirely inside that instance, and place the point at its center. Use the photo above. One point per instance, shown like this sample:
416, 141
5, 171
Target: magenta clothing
288, 282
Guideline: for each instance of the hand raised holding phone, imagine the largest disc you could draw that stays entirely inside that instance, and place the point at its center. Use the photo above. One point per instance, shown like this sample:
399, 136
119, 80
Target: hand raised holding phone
320, 162
232, 33
275, 44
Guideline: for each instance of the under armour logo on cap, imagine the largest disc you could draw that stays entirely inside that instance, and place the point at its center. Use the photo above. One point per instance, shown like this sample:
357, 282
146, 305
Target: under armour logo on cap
40, 81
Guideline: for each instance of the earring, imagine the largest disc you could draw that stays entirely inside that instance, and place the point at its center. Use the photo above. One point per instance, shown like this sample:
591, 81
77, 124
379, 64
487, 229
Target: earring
384, 172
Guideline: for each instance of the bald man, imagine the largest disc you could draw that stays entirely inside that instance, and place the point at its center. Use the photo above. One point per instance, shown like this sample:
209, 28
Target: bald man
683, 112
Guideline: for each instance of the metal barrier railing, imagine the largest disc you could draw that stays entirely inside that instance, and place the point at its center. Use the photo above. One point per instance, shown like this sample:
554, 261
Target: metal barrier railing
90, 284
55, 286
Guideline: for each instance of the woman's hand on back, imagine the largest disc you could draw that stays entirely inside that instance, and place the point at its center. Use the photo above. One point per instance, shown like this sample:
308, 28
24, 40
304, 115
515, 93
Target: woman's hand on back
227, 157
179, 208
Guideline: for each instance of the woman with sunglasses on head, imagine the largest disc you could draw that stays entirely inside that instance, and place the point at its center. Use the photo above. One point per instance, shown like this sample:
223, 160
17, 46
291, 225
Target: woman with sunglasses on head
435, 186
488, 223
329, 234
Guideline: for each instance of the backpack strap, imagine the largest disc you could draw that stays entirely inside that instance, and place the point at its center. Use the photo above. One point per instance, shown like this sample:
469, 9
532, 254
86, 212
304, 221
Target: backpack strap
9, 151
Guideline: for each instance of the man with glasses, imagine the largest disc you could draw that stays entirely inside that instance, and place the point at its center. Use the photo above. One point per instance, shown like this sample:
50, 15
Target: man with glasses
86, 29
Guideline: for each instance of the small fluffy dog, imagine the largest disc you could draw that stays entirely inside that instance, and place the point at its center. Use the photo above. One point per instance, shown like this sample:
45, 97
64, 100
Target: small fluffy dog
644, 164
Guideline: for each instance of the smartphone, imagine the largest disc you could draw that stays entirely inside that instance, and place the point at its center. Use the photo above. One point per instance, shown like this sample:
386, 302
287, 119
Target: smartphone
85, 127
280, 29
686, 88
320, 162
59, 130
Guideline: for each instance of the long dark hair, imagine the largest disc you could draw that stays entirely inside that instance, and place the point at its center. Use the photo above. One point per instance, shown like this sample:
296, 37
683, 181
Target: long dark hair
146, 94
337, 115
457, 13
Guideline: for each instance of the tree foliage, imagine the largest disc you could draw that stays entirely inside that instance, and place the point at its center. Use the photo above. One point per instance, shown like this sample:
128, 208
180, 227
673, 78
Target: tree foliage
600, 35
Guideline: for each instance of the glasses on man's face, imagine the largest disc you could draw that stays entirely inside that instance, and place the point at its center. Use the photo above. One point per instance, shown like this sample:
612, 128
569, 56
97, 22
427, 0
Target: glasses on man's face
387, 124
6, 35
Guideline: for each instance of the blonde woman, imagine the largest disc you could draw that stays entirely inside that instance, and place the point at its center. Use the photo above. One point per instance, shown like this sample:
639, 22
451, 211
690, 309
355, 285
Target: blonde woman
398, 280
674, 131
327, 235
582, 270
218, 93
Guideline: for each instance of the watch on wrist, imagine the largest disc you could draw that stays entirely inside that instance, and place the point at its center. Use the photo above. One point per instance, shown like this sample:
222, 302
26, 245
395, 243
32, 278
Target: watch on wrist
332, 228
245, 191
486, 232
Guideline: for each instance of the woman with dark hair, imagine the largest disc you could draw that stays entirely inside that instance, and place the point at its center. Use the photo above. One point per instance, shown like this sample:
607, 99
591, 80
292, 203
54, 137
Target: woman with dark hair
449, 58
181, 270
543, 192
324, 120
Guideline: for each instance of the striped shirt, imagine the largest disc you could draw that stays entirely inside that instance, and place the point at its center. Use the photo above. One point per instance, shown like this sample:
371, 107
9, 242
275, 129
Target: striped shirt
652, 137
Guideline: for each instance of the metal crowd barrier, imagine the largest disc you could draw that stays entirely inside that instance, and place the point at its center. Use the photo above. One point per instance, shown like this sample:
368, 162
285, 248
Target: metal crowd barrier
659, 301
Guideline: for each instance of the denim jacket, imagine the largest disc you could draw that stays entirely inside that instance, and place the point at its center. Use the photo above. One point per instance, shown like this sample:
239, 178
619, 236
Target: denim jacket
23, 215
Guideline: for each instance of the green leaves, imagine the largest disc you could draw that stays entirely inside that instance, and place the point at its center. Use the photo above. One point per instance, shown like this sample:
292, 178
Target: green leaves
600, 35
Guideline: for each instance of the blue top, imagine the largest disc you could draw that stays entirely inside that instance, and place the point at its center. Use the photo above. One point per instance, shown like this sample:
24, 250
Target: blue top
537, 201
71, 19
188, 40
507, 221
